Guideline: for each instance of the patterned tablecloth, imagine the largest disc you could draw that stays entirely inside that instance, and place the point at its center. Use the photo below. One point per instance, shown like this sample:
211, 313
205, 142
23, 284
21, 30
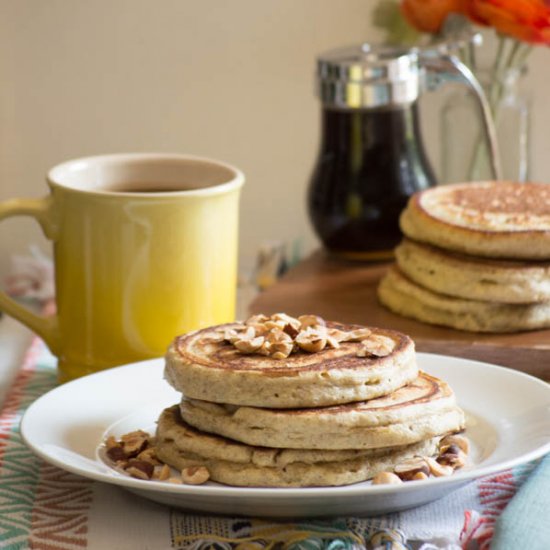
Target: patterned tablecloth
47, 508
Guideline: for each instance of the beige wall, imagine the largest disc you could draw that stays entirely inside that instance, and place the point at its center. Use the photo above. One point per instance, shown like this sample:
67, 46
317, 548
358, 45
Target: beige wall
227, 79
231, 79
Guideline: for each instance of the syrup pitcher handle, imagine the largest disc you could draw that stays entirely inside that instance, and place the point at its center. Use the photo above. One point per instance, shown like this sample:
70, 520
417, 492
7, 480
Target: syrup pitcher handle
448, 68
45, 327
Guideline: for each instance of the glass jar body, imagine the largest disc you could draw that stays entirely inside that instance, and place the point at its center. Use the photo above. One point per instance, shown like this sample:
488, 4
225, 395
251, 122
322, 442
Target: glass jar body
465, 155
370, 162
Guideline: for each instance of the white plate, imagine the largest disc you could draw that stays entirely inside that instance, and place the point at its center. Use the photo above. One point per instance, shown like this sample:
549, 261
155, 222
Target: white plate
508, 416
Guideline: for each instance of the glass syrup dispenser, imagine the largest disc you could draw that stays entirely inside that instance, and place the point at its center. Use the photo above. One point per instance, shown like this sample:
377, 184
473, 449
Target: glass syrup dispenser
372, 157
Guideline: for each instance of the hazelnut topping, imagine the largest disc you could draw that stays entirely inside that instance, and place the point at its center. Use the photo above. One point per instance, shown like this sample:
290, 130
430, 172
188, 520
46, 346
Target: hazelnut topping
280, 335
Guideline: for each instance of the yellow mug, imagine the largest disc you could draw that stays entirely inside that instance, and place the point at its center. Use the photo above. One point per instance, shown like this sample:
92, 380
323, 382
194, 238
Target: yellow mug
145, 248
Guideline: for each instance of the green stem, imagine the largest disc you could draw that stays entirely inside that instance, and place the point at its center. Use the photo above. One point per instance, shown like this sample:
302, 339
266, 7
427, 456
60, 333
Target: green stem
499, 74
499, 58
515, 60
522, 55
472, 56
463, 55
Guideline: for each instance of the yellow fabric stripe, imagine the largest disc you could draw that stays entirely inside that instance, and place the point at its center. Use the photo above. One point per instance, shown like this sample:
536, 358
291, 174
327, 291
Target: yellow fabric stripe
271, 534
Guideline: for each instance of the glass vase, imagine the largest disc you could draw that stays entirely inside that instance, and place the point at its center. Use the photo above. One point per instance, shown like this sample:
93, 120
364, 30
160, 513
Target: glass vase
464, 151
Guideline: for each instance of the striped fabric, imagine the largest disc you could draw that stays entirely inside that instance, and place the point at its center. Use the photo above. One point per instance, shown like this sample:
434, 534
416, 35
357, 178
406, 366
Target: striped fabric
40, 506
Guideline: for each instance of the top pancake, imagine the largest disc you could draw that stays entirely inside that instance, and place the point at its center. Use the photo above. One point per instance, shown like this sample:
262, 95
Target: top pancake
205, 367
499, 219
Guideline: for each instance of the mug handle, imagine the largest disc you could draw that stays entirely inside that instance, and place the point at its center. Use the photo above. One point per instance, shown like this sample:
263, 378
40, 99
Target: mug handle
45, 327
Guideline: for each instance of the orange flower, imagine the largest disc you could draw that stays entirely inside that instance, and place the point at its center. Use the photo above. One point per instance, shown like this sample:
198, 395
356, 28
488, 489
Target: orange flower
429, 15
526, 20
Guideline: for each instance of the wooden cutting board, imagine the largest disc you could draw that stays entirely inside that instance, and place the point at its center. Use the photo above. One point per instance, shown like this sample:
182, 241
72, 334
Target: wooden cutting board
346, 291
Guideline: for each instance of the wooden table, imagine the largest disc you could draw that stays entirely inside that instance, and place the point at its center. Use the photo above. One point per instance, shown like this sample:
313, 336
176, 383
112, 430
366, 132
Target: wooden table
346, 291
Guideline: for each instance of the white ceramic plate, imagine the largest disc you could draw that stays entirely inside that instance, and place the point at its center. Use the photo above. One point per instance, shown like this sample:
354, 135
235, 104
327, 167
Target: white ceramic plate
508, 416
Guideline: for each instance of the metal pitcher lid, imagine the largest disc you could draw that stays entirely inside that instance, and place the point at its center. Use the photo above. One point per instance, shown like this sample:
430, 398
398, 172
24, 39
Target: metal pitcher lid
369, 76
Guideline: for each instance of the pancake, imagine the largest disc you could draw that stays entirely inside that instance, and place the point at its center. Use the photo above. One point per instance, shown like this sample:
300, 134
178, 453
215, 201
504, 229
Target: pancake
422, 409
233, 463
403, 296
472, 277
202, 365
490, 219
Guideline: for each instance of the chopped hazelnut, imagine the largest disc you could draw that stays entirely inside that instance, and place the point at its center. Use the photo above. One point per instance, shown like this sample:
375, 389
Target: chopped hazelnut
249, 345
139, 469
310, 321
117, 454
134, 442
162, 473
452, 456
438, 470
408, 469
149, 456
383, 478
111, 442
195, 475
460, 441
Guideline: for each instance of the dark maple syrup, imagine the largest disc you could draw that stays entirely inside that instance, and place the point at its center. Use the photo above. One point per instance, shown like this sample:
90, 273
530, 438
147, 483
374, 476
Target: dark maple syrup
370, 162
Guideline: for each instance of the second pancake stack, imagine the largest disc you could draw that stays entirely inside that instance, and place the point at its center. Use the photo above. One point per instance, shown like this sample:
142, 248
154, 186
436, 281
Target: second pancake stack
476, 257
285, 402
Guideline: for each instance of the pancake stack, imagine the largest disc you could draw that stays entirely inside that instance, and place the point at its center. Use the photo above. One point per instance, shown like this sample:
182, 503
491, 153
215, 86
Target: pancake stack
285, 402
475, 257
